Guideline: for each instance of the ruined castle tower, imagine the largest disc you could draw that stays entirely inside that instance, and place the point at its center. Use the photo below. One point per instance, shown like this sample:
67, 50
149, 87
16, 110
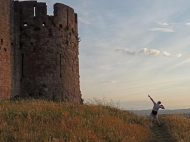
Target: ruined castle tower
5, 47
44, 63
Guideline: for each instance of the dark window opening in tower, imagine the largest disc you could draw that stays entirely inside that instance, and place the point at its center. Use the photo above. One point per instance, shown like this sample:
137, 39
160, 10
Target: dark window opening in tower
1, 41
76, 21
34, 11
25, 24
60, 67
61, 26
43, 24
40, 93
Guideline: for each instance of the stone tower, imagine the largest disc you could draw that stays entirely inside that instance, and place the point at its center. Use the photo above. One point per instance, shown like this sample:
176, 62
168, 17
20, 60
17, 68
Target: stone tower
45, 60
6, 47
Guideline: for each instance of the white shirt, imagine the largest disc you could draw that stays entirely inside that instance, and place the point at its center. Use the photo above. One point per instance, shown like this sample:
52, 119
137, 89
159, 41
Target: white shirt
157, 106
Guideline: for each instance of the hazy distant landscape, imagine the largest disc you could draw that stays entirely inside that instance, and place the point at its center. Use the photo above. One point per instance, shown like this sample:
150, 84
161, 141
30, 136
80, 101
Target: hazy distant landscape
167, 111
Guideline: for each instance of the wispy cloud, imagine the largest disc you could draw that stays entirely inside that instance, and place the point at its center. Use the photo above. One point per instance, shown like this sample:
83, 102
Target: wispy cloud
108, 82
163, 27
178, 55
147, 52
187, 24
166, 30
84, 21
164, 53
162, 23
182, 63
125, 51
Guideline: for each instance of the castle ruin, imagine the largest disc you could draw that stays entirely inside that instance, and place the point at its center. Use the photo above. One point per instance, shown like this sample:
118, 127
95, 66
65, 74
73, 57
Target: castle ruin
39, 53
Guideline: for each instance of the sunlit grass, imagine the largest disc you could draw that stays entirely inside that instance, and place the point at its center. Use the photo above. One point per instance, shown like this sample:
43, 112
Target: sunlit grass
48, 121
179, 126
97, 121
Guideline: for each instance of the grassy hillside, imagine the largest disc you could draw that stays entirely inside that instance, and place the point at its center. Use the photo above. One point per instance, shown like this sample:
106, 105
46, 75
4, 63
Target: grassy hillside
41, 121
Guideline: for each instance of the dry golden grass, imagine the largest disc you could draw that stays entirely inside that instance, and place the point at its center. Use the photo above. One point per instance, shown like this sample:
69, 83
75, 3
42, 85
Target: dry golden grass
42, 121
47, 121
179, 126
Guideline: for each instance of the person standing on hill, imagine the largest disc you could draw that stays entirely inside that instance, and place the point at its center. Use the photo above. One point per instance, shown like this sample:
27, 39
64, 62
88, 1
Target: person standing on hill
154, 112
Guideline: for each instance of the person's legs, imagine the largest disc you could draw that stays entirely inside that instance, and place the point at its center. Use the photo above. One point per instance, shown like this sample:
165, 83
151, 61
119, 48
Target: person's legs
154, 117
151, 118
158, 121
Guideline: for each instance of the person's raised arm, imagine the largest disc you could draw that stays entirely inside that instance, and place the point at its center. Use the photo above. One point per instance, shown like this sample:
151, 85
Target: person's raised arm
151, 98
162, 107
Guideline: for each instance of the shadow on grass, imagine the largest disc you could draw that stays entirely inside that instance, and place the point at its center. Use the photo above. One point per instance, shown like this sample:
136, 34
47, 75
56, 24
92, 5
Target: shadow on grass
161, 134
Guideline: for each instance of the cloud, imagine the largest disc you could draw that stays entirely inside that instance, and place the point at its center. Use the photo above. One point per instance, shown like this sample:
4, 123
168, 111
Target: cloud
125, 51
84, 21
108, 82
162, 23
182, 63
165, 54
149, 51
166, 30
187, 24
178, 55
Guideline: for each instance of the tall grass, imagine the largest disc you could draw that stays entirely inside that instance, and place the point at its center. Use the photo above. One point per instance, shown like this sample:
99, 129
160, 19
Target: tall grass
179, 126
42, 121
47, 121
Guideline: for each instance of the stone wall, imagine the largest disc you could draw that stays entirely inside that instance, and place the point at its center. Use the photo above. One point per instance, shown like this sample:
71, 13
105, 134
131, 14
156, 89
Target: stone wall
5, 48
49, 45
16, 52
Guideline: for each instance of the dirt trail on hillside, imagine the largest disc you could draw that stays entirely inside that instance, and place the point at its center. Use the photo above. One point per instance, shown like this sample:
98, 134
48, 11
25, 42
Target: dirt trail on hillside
161, 134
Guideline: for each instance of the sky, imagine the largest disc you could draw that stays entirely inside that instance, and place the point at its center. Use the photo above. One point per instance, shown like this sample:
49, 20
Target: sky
132, 48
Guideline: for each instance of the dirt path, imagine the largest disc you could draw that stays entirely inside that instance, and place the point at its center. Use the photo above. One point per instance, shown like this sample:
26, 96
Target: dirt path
161, 134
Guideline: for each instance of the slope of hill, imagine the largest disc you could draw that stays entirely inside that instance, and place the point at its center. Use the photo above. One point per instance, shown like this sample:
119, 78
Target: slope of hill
31, 120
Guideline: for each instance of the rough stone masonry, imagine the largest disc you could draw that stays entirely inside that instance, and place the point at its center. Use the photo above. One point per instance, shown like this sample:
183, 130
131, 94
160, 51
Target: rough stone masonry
38, 52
